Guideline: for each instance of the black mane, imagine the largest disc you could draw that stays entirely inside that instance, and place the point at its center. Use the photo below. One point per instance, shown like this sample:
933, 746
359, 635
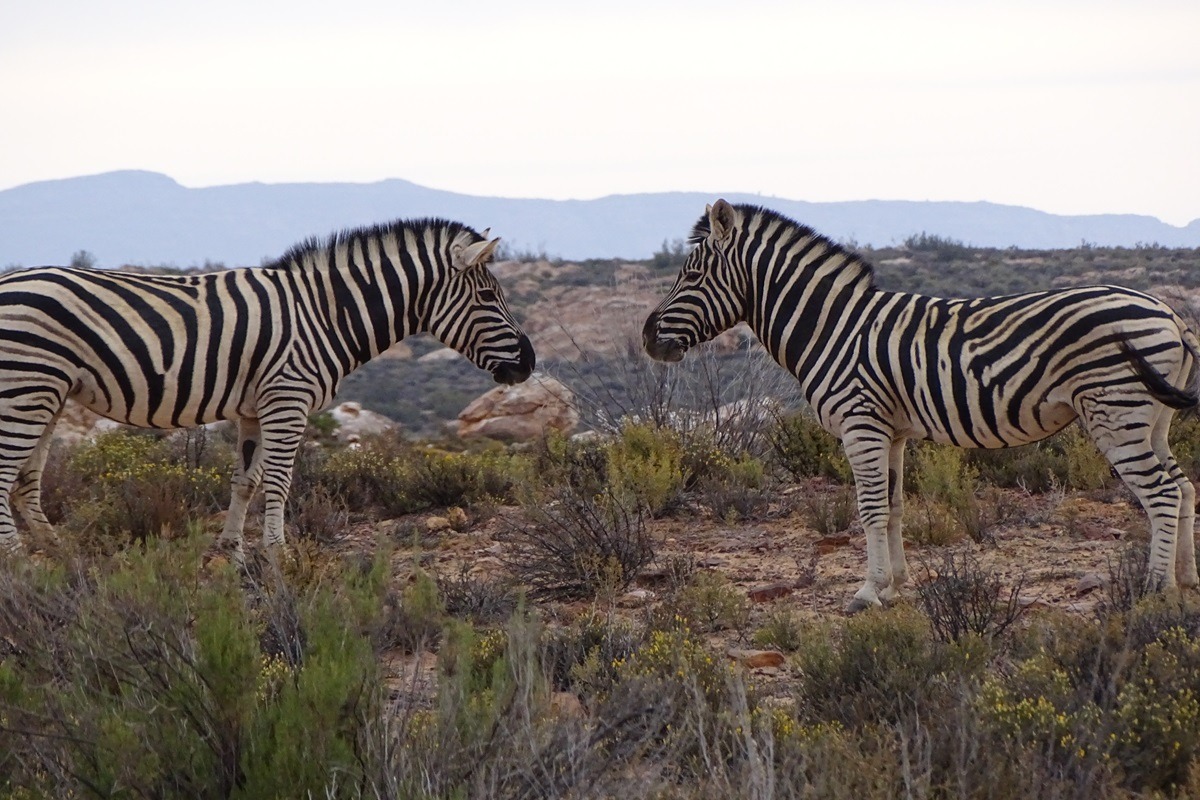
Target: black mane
796, 231
315, 244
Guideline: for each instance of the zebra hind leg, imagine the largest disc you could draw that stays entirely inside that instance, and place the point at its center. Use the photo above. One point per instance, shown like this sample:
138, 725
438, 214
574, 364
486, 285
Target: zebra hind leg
1128, 444
21, 436
27, 493
1185, 547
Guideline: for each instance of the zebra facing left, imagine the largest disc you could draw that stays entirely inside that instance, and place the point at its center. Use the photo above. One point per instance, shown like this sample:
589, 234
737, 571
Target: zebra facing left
880, 367
264, 346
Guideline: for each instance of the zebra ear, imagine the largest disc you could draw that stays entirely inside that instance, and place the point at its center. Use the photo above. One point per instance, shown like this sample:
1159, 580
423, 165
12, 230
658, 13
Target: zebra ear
721, 219
475, 255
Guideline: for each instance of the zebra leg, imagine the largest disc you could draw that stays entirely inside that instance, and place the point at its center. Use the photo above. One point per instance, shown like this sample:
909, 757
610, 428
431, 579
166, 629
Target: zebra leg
246, 476
868, 453
282, 433
21, 427
1185, 543
1125, 438
899, 564
27, 494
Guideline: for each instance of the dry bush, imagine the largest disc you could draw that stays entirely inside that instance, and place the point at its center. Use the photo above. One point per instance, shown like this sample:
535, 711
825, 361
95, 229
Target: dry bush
961, 598
571, 545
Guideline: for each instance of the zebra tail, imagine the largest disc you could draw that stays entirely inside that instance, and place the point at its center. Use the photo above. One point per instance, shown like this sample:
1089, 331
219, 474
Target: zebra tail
1162, 390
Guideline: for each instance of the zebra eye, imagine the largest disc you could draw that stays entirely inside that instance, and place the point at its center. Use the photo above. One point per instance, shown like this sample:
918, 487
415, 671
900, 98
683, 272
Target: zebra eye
487, 295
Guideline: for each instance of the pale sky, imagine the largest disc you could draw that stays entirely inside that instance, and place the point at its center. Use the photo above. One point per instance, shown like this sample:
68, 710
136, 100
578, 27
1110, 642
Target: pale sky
1067, 106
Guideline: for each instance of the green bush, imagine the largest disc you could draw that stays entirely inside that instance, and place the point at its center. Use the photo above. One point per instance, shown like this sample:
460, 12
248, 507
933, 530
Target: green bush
134, 486
645, 464
140, 675
805, 450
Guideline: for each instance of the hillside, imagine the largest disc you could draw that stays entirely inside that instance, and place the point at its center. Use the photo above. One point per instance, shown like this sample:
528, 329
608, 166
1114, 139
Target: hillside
147, 218
654, 614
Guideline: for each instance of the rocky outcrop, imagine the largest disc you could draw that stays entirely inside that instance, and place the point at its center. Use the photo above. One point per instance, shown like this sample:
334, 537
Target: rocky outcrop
521, 412
355, 422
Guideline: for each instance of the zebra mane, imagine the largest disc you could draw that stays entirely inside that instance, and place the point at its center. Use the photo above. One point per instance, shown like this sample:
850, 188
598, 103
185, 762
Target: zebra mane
757, 215
316, 244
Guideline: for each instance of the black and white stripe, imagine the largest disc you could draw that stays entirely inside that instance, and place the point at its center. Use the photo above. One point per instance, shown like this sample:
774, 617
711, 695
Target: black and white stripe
880, 367
265, 346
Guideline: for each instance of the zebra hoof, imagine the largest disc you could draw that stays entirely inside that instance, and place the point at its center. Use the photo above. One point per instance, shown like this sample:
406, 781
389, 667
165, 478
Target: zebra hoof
858, 604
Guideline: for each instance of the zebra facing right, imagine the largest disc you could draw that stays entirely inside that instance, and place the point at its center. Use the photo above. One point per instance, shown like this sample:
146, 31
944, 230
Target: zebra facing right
264, 346
880, 367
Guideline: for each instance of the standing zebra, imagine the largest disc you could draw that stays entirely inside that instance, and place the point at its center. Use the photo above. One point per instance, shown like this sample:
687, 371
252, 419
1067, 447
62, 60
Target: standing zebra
880, 367
265, 346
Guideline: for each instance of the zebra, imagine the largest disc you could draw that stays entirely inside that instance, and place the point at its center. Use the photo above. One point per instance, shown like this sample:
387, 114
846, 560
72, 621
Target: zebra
880, 367
264, 346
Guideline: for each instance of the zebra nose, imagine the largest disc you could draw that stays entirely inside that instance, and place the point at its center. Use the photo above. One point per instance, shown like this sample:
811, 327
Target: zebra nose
510, 373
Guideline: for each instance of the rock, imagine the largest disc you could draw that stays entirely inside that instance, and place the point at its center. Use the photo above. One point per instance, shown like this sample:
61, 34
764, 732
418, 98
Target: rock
457, 518
757, 659
355, 422
635, 598
832, 542
1088, 583
774, 591
520, 413
443, 354
435, 524
77, 424
567, 704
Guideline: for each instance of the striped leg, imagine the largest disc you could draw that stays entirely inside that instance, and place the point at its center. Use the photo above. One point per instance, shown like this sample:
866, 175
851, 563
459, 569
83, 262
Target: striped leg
899, 564
1185, 546
246, 477
282, 432
868, 453
27, 494
22, 422
1125, 437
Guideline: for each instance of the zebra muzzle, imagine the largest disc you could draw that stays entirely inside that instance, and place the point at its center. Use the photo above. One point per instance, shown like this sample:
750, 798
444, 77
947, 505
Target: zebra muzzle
510, 372
658, 348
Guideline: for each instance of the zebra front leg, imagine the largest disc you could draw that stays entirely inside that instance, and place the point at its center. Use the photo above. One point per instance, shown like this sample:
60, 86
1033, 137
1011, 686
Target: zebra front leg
895, 524
246, 476
282, 433
868, 456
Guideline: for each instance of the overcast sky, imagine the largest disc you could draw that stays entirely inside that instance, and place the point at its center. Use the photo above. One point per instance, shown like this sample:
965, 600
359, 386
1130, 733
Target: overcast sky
1068, 106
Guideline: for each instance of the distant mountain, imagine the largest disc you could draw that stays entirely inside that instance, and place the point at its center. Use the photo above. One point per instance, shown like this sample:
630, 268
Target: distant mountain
145, 218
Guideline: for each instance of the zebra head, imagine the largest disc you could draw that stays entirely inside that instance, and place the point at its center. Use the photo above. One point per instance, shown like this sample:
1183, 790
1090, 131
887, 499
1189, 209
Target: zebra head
470, 314
708, 297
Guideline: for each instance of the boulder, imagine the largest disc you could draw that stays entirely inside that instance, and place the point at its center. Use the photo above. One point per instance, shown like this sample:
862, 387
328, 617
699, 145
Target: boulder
77, 424
355, 422
521, 412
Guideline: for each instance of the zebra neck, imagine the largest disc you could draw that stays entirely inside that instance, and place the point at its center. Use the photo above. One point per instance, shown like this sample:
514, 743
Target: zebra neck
359, 303
806, 310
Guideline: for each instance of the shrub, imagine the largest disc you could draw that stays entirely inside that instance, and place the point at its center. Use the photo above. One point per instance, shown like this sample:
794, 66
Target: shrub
806, 450
645, 465
572, 545
136, 486
781, 630
961, 599
830, 512
707, 603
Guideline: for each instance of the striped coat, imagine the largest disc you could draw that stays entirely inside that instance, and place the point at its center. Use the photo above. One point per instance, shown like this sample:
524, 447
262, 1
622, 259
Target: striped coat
264, 346
881, 367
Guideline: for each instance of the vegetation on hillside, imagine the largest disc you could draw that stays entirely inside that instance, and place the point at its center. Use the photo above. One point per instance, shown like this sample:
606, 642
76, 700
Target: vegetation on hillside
135, 661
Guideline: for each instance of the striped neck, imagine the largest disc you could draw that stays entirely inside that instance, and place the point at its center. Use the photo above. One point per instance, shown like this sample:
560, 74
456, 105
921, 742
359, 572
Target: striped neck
807, 293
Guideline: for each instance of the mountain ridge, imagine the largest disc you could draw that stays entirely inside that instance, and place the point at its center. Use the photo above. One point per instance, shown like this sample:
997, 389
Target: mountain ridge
140, 217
